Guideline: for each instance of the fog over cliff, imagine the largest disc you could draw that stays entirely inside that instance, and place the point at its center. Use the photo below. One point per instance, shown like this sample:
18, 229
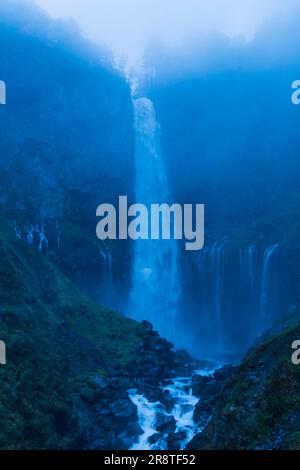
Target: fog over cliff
127, 26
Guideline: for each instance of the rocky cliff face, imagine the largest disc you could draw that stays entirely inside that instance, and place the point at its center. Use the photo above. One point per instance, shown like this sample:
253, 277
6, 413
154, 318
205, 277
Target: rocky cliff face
70, 362
66, 144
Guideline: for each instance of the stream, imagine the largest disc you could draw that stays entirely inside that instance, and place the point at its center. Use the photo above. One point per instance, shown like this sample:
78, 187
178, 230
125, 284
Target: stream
163, 429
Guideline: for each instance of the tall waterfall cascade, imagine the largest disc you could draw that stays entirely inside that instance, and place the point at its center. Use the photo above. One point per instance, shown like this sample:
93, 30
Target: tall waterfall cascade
155, 284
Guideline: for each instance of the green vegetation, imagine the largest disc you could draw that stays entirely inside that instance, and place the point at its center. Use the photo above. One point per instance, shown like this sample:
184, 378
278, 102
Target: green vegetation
57, 340
259, 405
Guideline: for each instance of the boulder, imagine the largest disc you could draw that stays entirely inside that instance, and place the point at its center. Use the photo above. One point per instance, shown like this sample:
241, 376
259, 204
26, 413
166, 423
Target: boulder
174, 441
155, 438
165, 423
167, 400
223, 373
147, 326
123, 410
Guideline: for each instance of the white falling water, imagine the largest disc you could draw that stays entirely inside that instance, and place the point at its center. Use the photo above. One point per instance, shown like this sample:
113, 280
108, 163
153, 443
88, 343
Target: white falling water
43, 242
247, 268
216, 256
40, 234
183, 412
155, 286
147, 412
106, 259
251, 264
226, 286
18, 232
266, 284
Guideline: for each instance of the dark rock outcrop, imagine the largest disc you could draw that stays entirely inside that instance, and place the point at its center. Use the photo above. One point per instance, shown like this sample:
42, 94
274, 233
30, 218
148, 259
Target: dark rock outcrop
255, 405
165, 423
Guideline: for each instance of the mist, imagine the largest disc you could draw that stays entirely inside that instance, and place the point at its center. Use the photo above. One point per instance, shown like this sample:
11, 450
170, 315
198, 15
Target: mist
128, 26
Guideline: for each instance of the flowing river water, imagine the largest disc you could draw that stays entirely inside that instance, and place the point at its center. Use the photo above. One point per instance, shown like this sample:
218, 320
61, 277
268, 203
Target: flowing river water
150, 413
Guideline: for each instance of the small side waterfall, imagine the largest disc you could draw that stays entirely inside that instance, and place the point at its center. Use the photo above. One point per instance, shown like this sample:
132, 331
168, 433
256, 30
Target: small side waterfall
108, 288
237, 295
247, 267
266, 285
18, 232
155, 286
35, 234
43, 239
251, 263
216, 255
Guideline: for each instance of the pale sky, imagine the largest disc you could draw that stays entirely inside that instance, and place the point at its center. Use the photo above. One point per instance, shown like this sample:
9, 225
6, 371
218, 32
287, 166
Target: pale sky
127, 26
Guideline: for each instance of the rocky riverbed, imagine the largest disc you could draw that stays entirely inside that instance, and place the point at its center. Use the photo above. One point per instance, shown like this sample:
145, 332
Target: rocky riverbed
168, 422
157, 402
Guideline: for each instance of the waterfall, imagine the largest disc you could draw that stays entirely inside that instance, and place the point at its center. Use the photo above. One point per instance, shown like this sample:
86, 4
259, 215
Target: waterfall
247, 268
40, 235
106, 259
235, 279
29, 235
43, 242
266, 285
155, 285
18, 232
211, 295
216, 258
251, 264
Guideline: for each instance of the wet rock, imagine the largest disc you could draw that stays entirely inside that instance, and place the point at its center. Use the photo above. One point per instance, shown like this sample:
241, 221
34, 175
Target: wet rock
168, 382
147, 326
200, 383
155, 438
102, 410
165, 423
123, 410
98, 444
186, 409
153, 394
174, 440
133, 429
101, 383
154, 371
167, 400
202, 412
223, 373
208, 391
183, 356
